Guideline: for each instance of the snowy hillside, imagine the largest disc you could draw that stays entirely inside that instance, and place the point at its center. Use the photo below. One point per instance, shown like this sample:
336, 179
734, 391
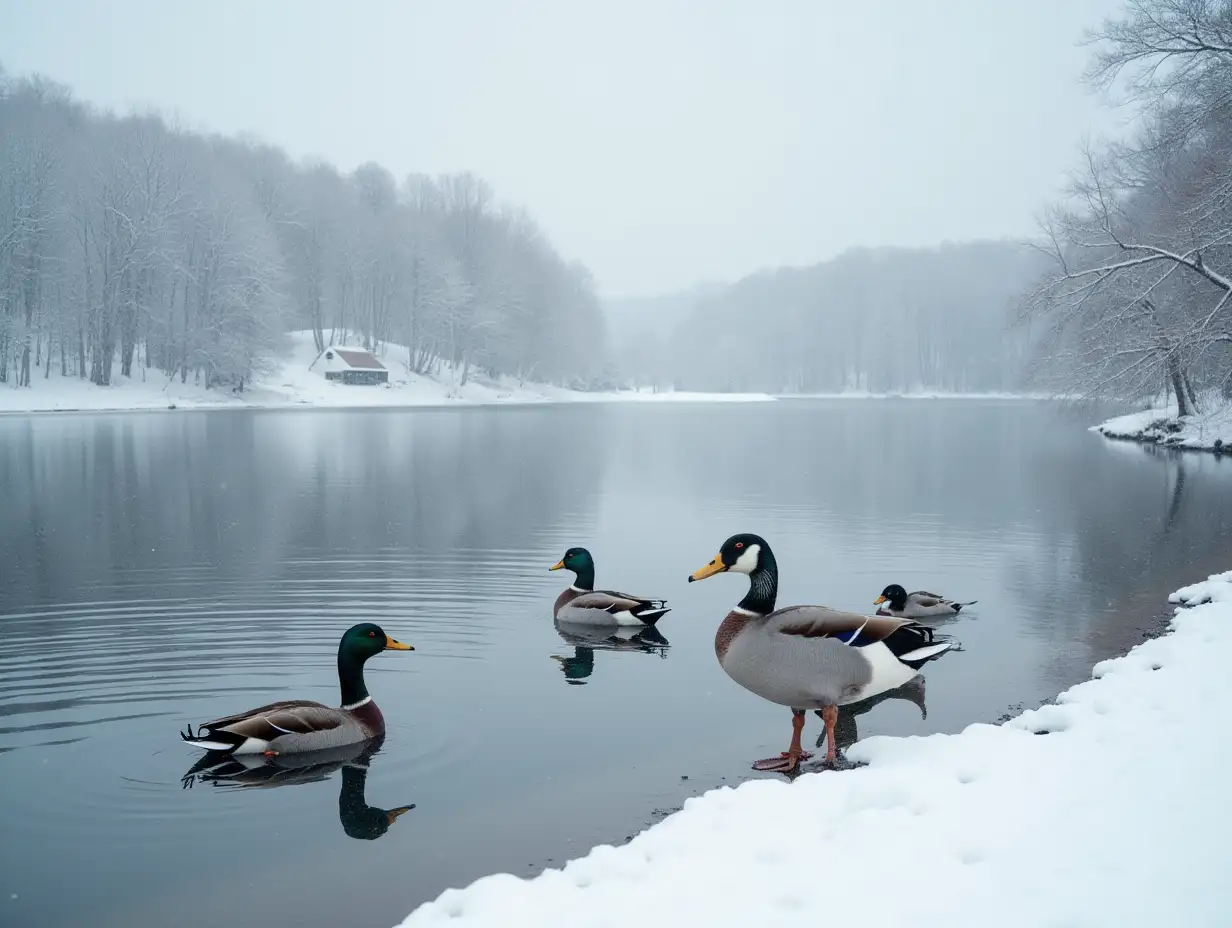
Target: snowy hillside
292, 384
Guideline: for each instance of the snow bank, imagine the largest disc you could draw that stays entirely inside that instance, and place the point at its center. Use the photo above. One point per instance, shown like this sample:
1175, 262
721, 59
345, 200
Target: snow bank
1209, 431
1108, 808
292, 384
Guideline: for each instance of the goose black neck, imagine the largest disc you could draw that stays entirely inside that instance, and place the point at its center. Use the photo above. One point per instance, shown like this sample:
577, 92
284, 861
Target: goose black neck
763, 585
585, 577
351, 677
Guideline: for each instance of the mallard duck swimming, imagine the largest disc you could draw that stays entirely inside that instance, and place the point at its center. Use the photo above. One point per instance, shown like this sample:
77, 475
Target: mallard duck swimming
808, 657
298, 725
918, 605
582, 604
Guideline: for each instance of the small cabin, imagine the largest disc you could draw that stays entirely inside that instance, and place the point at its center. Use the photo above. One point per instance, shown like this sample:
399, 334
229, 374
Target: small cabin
355, 366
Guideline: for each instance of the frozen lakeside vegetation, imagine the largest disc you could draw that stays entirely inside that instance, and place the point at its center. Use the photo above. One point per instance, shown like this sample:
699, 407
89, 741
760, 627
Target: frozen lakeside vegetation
1197, 431
1116, 816
129, 249
1138, 301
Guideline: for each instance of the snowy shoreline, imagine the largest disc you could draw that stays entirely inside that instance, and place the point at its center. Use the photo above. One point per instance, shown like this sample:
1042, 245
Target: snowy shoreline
101, 400
918, 395
993, 824
284, 406
1210, 431
293, 384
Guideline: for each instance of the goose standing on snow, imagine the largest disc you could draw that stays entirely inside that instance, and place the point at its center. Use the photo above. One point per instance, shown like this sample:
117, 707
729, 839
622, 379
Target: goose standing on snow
297, 725
582, 604
808, 657
918, 605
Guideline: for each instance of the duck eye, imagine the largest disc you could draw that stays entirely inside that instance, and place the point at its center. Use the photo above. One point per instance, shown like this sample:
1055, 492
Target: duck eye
739, 545
371, 634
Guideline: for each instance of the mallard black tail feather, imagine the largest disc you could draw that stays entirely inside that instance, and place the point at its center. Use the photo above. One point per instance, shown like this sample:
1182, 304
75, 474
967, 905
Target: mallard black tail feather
209, 740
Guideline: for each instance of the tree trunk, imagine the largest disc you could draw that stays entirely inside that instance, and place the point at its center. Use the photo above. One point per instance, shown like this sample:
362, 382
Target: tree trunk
1193, 394
1177, 378
128, 324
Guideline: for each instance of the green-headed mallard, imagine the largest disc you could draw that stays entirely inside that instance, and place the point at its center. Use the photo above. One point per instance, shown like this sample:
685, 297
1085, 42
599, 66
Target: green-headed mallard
298, 725
808, 657
582, 604
918, 605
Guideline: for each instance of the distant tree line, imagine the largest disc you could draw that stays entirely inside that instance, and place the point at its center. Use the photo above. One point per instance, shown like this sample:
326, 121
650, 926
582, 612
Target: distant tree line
877, 320
129, 247
1138, 297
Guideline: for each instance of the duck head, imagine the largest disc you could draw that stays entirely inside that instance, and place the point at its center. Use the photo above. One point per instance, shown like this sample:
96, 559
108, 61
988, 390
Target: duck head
577, 560
894, 594
360, 642
743, 554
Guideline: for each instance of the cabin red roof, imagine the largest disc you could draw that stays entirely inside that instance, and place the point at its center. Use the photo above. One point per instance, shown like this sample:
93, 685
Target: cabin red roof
359, 359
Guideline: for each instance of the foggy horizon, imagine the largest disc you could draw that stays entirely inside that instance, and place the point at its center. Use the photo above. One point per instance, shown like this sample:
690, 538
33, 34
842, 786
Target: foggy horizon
701, 152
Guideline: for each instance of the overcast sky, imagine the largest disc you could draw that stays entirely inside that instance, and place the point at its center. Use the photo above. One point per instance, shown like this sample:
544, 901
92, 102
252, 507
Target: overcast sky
662, 143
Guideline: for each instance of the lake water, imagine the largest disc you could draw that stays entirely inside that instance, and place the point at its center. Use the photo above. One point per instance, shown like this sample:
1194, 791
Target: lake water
161, 569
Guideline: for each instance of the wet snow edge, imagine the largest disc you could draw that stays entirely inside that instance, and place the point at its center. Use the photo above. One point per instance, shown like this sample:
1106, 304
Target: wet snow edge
1206, 431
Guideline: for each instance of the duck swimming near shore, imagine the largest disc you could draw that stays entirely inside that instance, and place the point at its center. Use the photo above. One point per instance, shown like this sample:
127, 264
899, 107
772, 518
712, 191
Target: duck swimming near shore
299, 725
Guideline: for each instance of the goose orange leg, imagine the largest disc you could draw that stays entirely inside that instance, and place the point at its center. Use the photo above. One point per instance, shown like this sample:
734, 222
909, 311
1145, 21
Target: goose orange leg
829, 715
789, 759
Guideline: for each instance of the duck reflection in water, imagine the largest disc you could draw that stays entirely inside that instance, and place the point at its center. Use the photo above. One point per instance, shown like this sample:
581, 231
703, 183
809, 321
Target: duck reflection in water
245, 771
586, 640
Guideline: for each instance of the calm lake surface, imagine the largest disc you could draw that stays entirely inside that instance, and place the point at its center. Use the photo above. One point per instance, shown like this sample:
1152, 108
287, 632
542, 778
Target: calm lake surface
160, 569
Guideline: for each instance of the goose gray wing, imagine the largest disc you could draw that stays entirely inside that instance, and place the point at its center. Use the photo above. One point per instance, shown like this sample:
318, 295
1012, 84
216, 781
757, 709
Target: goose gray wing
924, 598
823, 622
904, 637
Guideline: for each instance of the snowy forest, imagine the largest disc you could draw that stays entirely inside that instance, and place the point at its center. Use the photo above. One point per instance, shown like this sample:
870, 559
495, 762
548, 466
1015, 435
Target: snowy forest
1137, 299
128, 246
879, 320
134, 248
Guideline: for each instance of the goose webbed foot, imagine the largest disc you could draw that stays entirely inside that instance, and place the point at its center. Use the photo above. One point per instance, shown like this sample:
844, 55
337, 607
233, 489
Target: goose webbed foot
786, 762
790, 759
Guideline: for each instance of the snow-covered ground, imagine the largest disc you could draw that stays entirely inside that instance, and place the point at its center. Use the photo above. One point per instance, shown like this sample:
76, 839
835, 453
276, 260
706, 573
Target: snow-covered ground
292, 384
1205, 431
1108, 808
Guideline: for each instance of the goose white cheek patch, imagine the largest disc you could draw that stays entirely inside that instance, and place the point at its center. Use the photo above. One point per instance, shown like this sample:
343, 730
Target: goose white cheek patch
747, 562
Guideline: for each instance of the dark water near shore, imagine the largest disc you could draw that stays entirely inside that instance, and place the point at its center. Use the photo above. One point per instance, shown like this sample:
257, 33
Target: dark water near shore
163, 569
